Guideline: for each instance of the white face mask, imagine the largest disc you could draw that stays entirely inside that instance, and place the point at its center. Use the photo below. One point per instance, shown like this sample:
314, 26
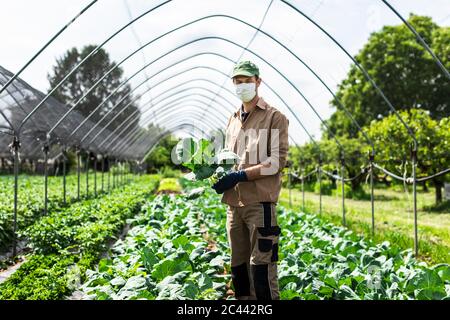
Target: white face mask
246, 91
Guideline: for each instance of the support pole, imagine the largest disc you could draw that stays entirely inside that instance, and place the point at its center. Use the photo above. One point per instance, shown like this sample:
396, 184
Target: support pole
64, 156
120, 174
15, 146
109, 175
123, 173
45, 149
319, 171
343, 190
78, 172
303, 189
289, 185
103, 173
87, 174
114, 174
414, 163
95, 176
130, 171
372, 198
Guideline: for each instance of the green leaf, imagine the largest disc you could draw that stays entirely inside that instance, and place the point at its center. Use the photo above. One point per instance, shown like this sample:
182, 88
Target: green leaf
135, 283
191, 290
289, 295
149, 258
204, 282
443, 271
118, 281
169, 267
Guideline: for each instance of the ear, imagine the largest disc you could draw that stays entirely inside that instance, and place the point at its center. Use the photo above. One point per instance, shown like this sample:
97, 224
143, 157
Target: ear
258, 82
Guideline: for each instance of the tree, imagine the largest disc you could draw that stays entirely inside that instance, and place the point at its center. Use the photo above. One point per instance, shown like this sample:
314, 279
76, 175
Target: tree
393, 144
403, 70
161, 154
84, 77
306, 157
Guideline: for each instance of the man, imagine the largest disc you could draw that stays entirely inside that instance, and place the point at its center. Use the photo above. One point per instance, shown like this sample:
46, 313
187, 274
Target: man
258, 133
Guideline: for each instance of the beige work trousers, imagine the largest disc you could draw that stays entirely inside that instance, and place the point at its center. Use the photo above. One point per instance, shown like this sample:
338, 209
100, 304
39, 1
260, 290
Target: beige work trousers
253, 234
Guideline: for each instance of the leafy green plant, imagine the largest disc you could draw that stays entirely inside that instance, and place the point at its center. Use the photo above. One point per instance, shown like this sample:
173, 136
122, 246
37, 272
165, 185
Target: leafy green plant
318, 260
165, 255
203, 160
69, 241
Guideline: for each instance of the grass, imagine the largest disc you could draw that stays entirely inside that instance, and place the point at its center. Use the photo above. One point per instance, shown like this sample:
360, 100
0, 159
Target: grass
394, 219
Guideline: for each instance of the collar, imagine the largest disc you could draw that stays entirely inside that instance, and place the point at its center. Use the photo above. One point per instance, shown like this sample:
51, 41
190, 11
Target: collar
260, 104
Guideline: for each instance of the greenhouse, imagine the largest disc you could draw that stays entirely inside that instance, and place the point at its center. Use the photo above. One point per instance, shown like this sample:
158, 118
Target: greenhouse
120, 176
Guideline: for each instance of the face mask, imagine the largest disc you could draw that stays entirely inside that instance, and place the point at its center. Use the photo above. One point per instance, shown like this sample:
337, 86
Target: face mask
246, 91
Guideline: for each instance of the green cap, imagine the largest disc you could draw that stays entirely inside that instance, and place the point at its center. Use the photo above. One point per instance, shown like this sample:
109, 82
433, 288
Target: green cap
245, 68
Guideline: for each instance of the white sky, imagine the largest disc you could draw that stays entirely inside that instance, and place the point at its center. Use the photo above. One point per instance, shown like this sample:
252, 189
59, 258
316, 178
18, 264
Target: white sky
27, 25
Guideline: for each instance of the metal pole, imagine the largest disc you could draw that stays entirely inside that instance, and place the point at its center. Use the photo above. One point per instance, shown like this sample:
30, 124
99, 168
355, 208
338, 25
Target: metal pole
129, 176
103, 172
64, 154
114, 174
46, 45
303, 189
320, 186
95, 176
109, 174
119, 174
15, 149
419, 39
78, 172
371, 159
87, 174
414, 163
343, 190
94, 51
122, 171
289, 184
45, 150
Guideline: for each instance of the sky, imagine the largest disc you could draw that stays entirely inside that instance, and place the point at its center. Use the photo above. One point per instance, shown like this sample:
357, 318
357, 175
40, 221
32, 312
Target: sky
200, 82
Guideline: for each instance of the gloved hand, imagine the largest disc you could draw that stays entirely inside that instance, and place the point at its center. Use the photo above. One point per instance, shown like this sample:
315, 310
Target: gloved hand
229, 181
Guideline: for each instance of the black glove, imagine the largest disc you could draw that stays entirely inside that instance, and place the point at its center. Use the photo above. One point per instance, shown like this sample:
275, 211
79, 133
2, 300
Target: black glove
229, 181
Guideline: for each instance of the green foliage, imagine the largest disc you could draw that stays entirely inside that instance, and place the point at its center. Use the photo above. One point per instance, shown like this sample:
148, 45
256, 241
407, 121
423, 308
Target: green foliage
165, 257
306, 157
169, 184
402, 69
169, 259
326, 186
31, 200
69, 241
40, 278
203, 160
168, 172
160, 157
357, 194
393, 144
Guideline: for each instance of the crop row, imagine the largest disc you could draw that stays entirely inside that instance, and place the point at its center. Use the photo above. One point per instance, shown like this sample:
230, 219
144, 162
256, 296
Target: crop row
170, 253
166, 257
31, 199
69, 240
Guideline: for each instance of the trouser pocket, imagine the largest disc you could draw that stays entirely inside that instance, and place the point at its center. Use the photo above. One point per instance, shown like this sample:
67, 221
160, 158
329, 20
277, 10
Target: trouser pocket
265, 248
